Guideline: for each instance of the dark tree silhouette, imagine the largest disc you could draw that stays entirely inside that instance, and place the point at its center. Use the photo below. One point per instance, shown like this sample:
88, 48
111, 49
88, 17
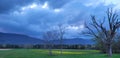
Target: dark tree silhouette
61, 31
49, 38
105, 30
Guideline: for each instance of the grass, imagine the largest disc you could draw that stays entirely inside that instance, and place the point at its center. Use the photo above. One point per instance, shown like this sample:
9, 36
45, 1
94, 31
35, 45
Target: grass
41, 53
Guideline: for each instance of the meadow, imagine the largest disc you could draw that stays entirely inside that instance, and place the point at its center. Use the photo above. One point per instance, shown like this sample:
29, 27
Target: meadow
42, 53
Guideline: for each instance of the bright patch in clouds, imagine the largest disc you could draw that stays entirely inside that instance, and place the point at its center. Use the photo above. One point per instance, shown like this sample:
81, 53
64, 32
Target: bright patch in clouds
114, 2
36, 6
33, 5
76, 28
57, 10
95, 3
81, 27
73, 27
45, 5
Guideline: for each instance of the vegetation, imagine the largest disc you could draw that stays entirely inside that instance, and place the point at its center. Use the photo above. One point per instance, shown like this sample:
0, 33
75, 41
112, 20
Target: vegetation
49, 38
61, 31
105, 32
38, 53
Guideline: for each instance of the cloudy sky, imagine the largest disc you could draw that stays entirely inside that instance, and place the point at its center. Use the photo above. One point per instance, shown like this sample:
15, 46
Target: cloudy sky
33, 17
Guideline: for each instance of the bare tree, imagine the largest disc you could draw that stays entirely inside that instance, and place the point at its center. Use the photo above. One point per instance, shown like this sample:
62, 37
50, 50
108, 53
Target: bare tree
49, 38
61, 31
105, 30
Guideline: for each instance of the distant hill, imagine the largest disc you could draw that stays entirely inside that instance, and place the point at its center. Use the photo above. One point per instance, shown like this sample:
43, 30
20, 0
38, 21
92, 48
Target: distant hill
10, 38
74, 41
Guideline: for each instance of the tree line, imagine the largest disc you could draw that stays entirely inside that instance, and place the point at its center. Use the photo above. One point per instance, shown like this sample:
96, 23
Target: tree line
43, 46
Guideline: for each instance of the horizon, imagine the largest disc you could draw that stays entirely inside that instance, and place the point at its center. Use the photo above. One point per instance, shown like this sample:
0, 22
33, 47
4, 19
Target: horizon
40, 38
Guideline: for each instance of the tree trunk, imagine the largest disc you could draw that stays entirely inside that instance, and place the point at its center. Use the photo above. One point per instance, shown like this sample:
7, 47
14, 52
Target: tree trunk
50, 50
61, 44
110, 50
61, 47
61, 50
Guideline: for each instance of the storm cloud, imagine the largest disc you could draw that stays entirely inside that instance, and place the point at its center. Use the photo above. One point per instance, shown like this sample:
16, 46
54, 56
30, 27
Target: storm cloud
33, 17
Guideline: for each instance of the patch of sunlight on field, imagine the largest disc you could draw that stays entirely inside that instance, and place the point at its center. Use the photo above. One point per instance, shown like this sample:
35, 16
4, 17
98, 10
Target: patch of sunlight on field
76, 52
67, 51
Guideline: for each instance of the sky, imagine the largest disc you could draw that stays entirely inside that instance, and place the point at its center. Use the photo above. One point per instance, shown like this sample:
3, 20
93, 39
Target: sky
33, 17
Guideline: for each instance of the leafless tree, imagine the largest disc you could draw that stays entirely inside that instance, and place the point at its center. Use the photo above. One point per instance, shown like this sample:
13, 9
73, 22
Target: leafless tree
61, 31
104, 30
49, 38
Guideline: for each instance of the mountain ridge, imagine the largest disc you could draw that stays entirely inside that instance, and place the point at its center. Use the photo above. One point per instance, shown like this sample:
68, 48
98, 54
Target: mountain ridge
11, 38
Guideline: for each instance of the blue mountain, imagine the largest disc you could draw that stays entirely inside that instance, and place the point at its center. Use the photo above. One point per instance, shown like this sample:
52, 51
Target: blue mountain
74, 41
11, 38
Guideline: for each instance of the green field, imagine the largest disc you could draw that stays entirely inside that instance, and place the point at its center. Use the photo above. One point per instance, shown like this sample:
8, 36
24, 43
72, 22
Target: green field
38, 53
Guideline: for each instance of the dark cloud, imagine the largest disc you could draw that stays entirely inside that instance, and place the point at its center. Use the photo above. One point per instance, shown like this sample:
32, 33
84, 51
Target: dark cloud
56, 3
34, 21
9, 5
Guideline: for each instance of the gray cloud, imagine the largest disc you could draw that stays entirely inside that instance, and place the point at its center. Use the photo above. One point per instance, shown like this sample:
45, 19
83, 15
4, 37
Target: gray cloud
9, 5
35, 21
56, 3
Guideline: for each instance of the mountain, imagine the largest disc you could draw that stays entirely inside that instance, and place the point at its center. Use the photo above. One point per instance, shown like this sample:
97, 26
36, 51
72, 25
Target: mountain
74, 41
11, 38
